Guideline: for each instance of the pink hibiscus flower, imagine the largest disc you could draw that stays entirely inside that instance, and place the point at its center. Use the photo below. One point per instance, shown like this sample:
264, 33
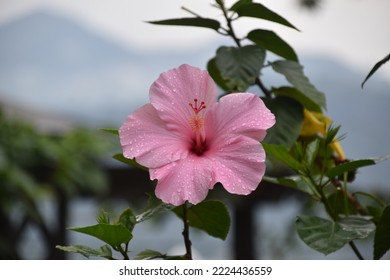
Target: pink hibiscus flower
189, 141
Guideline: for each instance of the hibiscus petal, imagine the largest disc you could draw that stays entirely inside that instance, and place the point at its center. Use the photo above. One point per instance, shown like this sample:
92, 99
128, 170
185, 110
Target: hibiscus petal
175, 89
185, 180
238, 164
145, 137
239, 114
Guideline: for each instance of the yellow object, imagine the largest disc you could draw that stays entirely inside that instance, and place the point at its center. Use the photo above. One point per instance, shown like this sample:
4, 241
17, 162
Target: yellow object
315, 123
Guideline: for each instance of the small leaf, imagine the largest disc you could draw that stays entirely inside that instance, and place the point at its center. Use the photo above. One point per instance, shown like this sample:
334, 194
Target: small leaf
154, 207
271, 41
114, 235
257, 10
376, 67
331, 132
347, 167
289, 119
149, 255
239, 67
211, 216
293, 72
312, 105
110, 130
193, 21
103, 217
311, 151
294, 182
359, 227
216, 74
375, 213
382, 235
281, 153
239, 3
340, 204
103, 252
373, 197
327, 236
127, 219
130, 162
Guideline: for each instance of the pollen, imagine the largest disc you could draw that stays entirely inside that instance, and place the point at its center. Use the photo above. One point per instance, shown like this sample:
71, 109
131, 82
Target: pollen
197, 123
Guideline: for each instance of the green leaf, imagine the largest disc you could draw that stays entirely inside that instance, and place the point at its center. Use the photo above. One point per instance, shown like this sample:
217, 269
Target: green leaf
154, 207
193, 21
130, 162
211, 216
289, 119
239, 67
239, 3
382, 234
216, 74
257, 10
347, 167
271, 41
293, 72
375, 213
127, 219
375, 198
326, 236
295, 182
103, 217
359, 227
375, 68
114, 235
331, 133
340, 204
311, 105
282, 153
103, 252
110, 130
149, 255
311, 151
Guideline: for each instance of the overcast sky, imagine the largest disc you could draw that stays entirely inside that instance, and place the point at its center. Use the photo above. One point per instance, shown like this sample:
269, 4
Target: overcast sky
354, 31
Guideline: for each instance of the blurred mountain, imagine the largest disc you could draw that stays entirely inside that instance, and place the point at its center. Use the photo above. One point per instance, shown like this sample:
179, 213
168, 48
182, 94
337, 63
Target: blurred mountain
54, 63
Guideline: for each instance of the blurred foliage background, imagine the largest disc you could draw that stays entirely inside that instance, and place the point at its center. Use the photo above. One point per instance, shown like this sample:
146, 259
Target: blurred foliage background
35, 167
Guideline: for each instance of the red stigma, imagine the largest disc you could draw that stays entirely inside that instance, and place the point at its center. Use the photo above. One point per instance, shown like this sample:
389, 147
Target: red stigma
195, 106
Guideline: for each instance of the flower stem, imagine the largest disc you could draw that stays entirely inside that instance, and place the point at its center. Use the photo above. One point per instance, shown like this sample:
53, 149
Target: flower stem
123, 251
232, 34
333, 215
265, 90
186, 234
355, 250
230, 30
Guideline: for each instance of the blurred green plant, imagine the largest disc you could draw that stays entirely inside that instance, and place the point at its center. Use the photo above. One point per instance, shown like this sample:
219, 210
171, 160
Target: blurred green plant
210, 216
35, 167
